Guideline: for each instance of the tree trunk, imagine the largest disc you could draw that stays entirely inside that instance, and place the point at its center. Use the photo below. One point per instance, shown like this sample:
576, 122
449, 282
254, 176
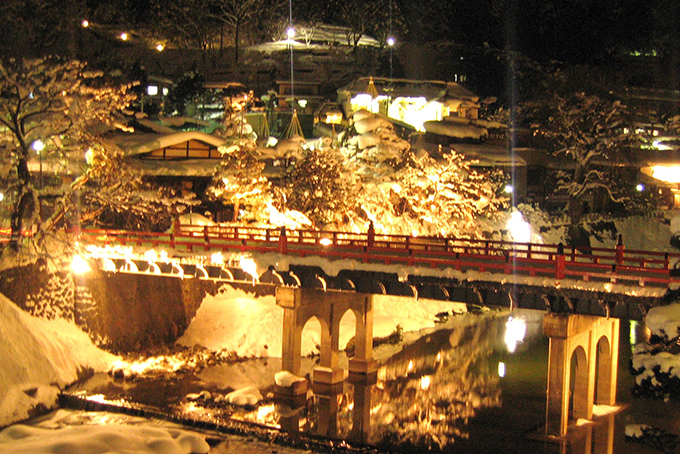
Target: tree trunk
235, 215
237, 32
21, 204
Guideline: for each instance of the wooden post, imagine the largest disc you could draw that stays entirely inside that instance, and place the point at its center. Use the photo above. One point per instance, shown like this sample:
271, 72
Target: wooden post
619, 250
371, 235
559, 262
283, 241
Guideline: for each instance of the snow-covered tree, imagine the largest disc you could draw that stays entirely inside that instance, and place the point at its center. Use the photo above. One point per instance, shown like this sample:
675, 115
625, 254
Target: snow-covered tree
405, 192
52, 113
431, 197
320, 186
234, 124
593, 132
239, 181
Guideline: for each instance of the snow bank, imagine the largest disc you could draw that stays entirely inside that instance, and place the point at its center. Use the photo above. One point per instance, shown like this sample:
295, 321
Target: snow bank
39, 357
664, 321
371, 124
250, 326
675, 225
109, 438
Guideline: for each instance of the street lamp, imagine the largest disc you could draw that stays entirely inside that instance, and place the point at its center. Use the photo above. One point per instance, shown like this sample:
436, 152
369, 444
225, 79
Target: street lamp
39, 146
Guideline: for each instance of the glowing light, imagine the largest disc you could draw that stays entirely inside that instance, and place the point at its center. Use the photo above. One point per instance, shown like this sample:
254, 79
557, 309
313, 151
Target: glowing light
409, 368
390, 41
290, 33
85, 23
2, 196
217, 258
325, 241
160, 47
669, 174
501, 369
520, 230
38, 145
425, 382
89, 156
640, 187
124, 36
515, 330
249, 267
79, 265
509, 189
151, 255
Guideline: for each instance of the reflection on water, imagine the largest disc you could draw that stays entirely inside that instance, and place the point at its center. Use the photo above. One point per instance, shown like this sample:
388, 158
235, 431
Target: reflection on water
425, 396
476, 384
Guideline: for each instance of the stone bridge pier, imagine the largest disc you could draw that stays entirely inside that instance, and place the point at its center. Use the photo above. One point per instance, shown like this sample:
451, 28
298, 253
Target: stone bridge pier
300, 305
584, 350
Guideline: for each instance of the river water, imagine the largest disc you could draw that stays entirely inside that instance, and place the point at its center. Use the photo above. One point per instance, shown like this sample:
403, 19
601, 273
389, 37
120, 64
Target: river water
475, 385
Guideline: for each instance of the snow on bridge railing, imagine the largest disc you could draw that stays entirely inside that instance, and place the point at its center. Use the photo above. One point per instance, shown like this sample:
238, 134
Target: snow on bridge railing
533, 259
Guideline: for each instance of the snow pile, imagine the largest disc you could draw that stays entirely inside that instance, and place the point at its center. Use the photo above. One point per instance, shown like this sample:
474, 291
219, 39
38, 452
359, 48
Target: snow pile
664, 321
245, 396
657, 370
286, 379
636, 430
250, 326
675, 225
109, 438
39, 358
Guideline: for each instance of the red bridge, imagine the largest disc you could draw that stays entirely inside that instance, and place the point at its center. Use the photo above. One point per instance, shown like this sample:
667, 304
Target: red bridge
617, 265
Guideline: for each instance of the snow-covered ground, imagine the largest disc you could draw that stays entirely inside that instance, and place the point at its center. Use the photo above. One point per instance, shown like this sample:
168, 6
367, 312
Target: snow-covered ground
41, 357
235, 320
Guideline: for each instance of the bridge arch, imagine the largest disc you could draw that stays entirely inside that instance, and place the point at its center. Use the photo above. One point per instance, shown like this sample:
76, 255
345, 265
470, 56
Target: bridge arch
301, 304
587, 348
603, 370
579, 390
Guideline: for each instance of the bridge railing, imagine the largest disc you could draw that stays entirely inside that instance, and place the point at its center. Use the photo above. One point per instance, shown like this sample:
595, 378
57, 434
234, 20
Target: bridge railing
540, 260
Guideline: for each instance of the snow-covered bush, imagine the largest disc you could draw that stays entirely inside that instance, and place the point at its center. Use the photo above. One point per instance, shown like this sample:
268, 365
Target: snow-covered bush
656, 365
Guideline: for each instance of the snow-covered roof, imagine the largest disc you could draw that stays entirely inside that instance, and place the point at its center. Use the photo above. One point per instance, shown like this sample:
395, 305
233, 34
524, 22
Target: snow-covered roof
489, 155
150, 142
429, 89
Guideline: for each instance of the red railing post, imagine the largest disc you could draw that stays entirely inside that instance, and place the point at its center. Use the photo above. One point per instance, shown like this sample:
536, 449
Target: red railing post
283, 241
370, 240
619, 250
559, 262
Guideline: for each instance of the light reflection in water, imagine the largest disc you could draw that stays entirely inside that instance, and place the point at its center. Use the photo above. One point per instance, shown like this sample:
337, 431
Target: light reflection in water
423, 396
515, 330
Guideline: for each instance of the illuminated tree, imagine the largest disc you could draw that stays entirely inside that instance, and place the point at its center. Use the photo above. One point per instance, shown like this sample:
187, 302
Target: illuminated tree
404, 192
238, 181
320, 186
52, 113
446, 197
